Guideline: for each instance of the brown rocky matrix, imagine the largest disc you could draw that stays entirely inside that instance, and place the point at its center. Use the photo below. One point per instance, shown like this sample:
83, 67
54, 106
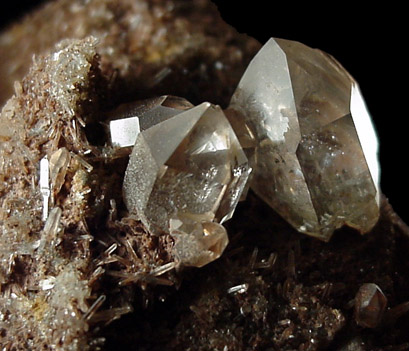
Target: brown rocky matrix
64, 282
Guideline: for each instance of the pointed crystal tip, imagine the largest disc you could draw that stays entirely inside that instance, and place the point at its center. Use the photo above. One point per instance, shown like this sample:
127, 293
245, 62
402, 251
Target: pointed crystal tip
315, 158
370, 304
128, 120
204, 243
188, 168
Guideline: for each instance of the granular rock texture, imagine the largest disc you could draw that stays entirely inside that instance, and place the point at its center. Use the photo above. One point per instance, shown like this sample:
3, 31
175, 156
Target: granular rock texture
91, 276
50, 272
43, 286
275, 289
146, 47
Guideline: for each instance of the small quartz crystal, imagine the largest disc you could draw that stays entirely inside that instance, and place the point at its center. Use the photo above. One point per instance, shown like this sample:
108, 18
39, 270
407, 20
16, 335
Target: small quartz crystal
198, 243
188, 170
370, 305
315, 154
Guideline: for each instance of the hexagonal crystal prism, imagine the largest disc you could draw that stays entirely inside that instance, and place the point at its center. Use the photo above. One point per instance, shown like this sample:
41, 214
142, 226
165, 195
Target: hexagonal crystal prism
188, 168
316, 149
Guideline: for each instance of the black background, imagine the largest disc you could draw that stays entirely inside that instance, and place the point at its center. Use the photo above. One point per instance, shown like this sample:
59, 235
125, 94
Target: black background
370, 42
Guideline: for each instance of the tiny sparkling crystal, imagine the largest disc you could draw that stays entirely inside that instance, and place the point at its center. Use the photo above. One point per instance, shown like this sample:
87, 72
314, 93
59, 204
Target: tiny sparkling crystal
238, 289
315, 155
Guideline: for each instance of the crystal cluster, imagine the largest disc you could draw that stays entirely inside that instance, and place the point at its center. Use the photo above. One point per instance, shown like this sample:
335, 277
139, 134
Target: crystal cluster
304, 127
297, 119
315, 153
185, 176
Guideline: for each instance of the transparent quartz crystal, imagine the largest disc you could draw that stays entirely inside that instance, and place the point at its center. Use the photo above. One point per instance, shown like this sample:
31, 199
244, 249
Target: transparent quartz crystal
198, 243
188, 170
131, 118
315, 153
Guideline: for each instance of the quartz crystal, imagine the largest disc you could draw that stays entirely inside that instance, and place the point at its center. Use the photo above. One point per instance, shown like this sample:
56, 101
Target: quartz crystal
142, 115
370, 304
185, 176
315, 154
198, 243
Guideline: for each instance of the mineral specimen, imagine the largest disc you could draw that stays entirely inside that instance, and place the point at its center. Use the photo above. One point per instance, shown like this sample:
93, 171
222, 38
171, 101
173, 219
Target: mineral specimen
316, 149
370, 304
189, 169
44, 291
63, 281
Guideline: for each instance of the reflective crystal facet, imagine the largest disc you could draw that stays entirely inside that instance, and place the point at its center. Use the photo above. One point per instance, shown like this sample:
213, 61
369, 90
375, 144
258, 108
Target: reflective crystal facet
370, 304
198, 243
187, 169
45, 185
132, 118
315, 158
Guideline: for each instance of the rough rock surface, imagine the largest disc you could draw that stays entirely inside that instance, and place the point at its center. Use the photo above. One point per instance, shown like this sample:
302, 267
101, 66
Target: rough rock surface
71, 283
43, 286
146, 47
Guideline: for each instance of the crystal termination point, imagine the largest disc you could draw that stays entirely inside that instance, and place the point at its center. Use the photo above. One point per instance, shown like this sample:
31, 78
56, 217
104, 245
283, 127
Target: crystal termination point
187, 171
315, 159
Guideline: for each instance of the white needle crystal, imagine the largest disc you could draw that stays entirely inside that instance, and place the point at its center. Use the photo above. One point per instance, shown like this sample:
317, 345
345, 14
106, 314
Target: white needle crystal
45, 185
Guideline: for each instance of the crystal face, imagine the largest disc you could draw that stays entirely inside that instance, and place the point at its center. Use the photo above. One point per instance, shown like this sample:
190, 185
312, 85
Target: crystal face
186, 171
315, 155
142, 115
370, 304
198, 243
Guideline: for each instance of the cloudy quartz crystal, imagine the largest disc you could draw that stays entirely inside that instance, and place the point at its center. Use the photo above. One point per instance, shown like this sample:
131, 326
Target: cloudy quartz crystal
185, 176
315, 148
